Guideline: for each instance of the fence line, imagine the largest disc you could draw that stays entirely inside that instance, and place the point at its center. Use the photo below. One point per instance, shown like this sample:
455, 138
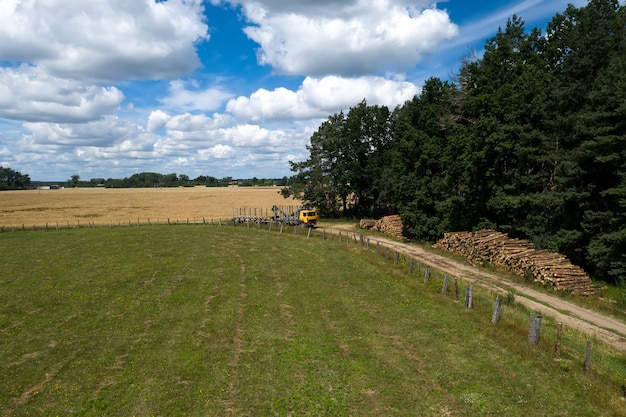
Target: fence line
47, 226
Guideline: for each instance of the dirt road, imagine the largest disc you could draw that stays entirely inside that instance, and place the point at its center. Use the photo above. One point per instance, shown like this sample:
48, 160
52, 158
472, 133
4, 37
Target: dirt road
605, 328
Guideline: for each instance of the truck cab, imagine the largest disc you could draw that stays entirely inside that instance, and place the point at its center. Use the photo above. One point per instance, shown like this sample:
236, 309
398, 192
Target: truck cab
308, 217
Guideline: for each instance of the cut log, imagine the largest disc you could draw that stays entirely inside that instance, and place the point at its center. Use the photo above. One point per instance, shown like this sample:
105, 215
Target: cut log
367, 223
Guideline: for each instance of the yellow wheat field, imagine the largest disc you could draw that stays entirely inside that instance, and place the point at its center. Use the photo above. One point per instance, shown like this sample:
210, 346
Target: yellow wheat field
105, 205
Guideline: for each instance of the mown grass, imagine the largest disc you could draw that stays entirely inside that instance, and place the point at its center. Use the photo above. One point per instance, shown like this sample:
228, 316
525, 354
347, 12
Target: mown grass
209, 320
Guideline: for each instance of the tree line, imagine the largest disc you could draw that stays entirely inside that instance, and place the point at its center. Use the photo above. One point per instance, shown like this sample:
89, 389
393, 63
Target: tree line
154, 179
529, 139
150, 179
14, 180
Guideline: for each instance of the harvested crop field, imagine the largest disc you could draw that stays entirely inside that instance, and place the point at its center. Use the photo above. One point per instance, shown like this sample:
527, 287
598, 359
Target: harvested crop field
104, 205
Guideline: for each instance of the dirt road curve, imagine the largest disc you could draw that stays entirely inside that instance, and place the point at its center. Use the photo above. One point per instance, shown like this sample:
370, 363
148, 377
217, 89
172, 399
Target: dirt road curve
604, 328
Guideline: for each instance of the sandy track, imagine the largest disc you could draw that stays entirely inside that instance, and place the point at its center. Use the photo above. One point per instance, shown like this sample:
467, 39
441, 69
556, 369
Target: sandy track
605, 328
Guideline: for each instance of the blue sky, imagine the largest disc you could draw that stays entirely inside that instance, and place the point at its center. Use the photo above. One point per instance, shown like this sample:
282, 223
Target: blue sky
109, 88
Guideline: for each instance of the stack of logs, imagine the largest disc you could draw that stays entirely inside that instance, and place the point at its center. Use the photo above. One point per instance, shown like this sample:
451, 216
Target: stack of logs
520, 257
389, 225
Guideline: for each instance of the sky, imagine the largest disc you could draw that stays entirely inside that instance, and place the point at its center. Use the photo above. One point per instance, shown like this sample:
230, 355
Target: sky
223, 88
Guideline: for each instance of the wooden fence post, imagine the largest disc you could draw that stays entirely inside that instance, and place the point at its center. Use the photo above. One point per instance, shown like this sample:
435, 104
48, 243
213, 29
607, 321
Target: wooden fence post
456, 289
557, 349
309, 232
386, 254
396, 258
534, 328
411, 266
469, 297
427, 274
444, 287
495, 318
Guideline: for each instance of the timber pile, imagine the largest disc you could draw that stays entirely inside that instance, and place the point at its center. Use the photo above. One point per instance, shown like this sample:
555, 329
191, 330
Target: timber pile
391, 225
520, 257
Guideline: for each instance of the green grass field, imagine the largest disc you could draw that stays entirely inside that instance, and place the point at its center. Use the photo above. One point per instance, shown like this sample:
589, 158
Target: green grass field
217, 321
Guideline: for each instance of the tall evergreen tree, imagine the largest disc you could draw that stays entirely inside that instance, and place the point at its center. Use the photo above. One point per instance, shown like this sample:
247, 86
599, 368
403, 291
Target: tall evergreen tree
430, 162
506, 96
587, 49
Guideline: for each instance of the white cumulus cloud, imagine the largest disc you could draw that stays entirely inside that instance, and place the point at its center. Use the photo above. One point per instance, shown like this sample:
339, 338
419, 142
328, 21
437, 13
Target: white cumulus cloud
107, 131
103, 39
318, 97
27, 93
188, 96
346, 38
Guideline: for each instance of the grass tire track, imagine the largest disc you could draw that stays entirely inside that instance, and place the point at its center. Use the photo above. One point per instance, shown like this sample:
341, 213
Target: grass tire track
232, 393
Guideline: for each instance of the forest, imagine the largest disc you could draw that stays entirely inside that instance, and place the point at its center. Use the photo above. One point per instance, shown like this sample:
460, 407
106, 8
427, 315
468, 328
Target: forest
528, 139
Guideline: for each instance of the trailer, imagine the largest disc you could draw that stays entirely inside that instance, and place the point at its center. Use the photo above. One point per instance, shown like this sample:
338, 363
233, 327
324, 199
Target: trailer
292, 216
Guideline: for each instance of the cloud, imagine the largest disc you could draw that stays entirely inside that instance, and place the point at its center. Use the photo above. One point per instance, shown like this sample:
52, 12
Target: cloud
336, 92
105, 132
27, 93
157, 120
217, 152
187, 96
348, 38
318, 97
103, 40
254, 136
279, 104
